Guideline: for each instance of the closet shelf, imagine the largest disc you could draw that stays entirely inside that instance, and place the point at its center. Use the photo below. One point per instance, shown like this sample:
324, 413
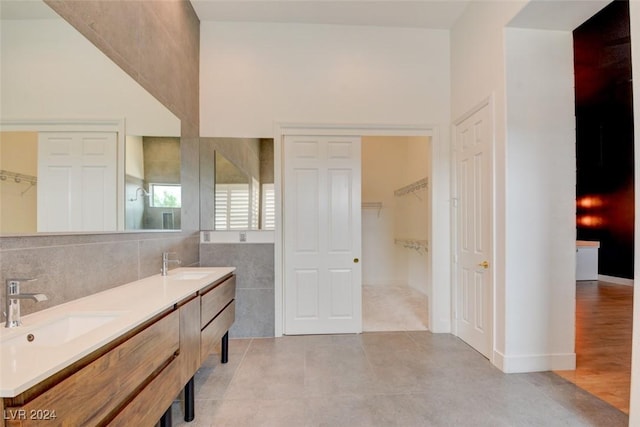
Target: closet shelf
17, 177
412, 188
416, 244
372, 205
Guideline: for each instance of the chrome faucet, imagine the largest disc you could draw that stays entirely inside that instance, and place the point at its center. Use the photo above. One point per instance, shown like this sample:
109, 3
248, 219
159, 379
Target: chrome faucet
165, 262
12, 301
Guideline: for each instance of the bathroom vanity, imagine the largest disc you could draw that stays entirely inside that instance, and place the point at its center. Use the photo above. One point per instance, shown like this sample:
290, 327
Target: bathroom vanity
118, 357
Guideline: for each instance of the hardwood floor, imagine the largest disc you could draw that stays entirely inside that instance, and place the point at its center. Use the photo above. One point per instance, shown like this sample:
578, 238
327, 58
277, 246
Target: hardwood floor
604, 317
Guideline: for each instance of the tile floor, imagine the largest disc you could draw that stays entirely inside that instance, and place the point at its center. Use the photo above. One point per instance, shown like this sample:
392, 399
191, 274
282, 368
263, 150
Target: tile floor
393, 308
381, 379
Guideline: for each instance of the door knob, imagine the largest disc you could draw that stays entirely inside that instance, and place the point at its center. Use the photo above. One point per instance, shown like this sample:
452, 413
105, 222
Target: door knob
356, 260
484, 264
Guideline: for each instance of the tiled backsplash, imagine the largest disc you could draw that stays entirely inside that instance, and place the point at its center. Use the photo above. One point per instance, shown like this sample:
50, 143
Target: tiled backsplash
255, 303
73, 266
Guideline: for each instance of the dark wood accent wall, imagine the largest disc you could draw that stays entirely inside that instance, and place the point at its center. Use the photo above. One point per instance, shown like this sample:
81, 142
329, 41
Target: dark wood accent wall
604, 128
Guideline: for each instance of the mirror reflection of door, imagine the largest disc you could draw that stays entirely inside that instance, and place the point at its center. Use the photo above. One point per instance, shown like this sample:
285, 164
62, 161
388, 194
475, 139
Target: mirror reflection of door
77, 181
152, 183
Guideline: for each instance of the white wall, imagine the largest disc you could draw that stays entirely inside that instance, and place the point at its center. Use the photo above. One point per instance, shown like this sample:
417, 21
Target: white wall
134, 156
50, 71
540, 201
252, 74
533, 264
634, 12
418, 166
477, 72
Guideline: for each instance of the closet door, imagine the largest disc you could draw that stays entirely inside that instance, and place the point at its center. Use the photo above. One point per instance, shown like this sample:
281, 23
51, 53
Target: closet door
77, 181
322, 235
473, 266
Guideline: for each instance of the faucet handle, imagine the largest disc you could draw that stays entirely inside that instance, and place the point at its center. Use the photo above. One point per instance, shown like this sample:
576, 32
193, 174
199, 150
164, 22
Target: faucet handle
21, 280
13, 285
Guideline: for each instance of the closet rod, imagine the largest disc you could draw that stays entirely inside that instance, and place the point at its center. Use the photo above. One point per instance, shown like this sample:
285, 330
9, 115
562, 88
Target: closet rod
413, 187
417, 244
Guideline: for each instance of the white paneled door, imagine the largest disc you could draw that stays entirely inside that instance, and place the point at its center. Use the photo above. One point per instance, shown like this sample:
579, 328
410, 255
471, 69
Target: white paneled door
473, 260
322, 235
77, 181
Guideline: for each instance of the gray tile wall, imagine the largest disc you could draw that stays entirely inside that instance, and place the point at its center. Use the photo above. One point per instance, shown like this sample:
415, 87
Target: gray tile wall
158, 44
254, 284
74, 266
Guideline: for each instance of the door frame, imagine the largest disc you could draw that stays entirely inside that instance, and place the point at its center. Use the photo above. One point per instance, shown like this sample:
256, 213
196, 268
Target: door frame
489, 103
439, 305
115, 125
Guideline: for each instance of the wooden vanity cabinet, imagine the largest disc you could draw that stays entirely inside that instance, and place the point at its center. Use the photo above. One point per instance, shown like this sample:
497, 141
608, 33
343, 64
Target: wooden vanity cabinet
135, 378
92, 392
152, 401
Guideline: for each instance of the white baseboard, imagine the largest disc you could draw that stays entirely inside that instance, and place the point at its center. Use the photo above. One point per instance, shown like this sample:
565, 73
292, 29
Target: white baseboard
440, 326
534, 362
615, 280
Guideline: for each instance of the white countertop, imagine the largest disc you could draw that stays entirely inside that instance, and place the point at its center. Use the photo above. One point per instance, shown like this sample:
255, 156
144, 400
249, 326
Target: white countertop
23, 365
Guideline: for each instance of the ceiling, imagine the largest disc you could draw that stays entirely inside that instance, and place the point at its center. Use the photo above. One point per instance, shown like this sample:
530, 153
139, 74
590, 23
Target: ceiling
25, 9
435, 14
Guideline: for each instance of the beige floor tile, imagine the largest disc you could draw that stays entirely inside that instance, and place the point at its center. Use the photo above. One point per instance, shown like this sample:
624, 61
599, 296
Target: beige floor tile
265, 376
382, 379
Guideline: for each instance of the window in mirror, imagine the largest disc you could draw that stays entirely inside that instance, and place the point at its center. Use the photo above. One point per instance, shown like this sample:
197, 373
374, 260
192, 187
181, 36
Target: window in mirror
165, 195
255, 204
232, 207
153, 190
268, 207
232, 174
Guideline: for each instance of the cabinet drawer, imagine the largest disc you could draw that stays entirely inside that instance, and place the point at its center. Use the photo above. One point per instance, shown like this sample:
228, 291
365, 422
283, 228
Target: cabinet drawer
212, 334
216, 299
96, 391
149, 405
189, 338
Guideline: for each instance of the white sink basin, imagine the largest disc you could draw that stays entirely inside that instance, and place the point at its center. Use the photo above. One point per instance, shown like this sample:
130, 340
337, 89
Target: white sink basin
190, 275
61, 330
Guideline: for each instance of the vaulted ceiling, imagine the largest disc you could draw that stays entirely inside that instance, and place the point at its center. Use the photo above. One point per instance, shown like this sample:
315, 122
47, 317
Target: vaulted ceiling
436, 14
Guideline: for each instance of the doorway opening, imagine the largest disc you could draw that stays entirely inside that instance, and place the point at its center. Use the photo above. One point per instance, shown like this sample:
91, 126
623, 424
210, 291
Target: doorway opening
395, 233
438, 310
604, 205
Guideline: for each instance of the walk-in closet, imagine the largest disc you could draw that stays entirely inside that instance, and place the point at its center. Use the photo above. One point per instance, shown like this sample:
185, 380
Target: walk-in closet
395, 233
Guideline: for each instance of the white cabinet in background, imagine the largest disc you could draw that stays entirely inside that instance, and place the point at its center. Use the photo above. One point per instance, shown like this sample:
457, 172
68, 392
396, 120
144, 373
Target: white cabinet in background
587, 260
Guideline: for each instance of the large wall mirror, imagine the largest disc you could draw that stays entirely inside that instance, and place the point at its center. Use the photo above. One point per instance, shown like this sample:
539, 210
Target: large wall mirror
83, 147
236, 183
